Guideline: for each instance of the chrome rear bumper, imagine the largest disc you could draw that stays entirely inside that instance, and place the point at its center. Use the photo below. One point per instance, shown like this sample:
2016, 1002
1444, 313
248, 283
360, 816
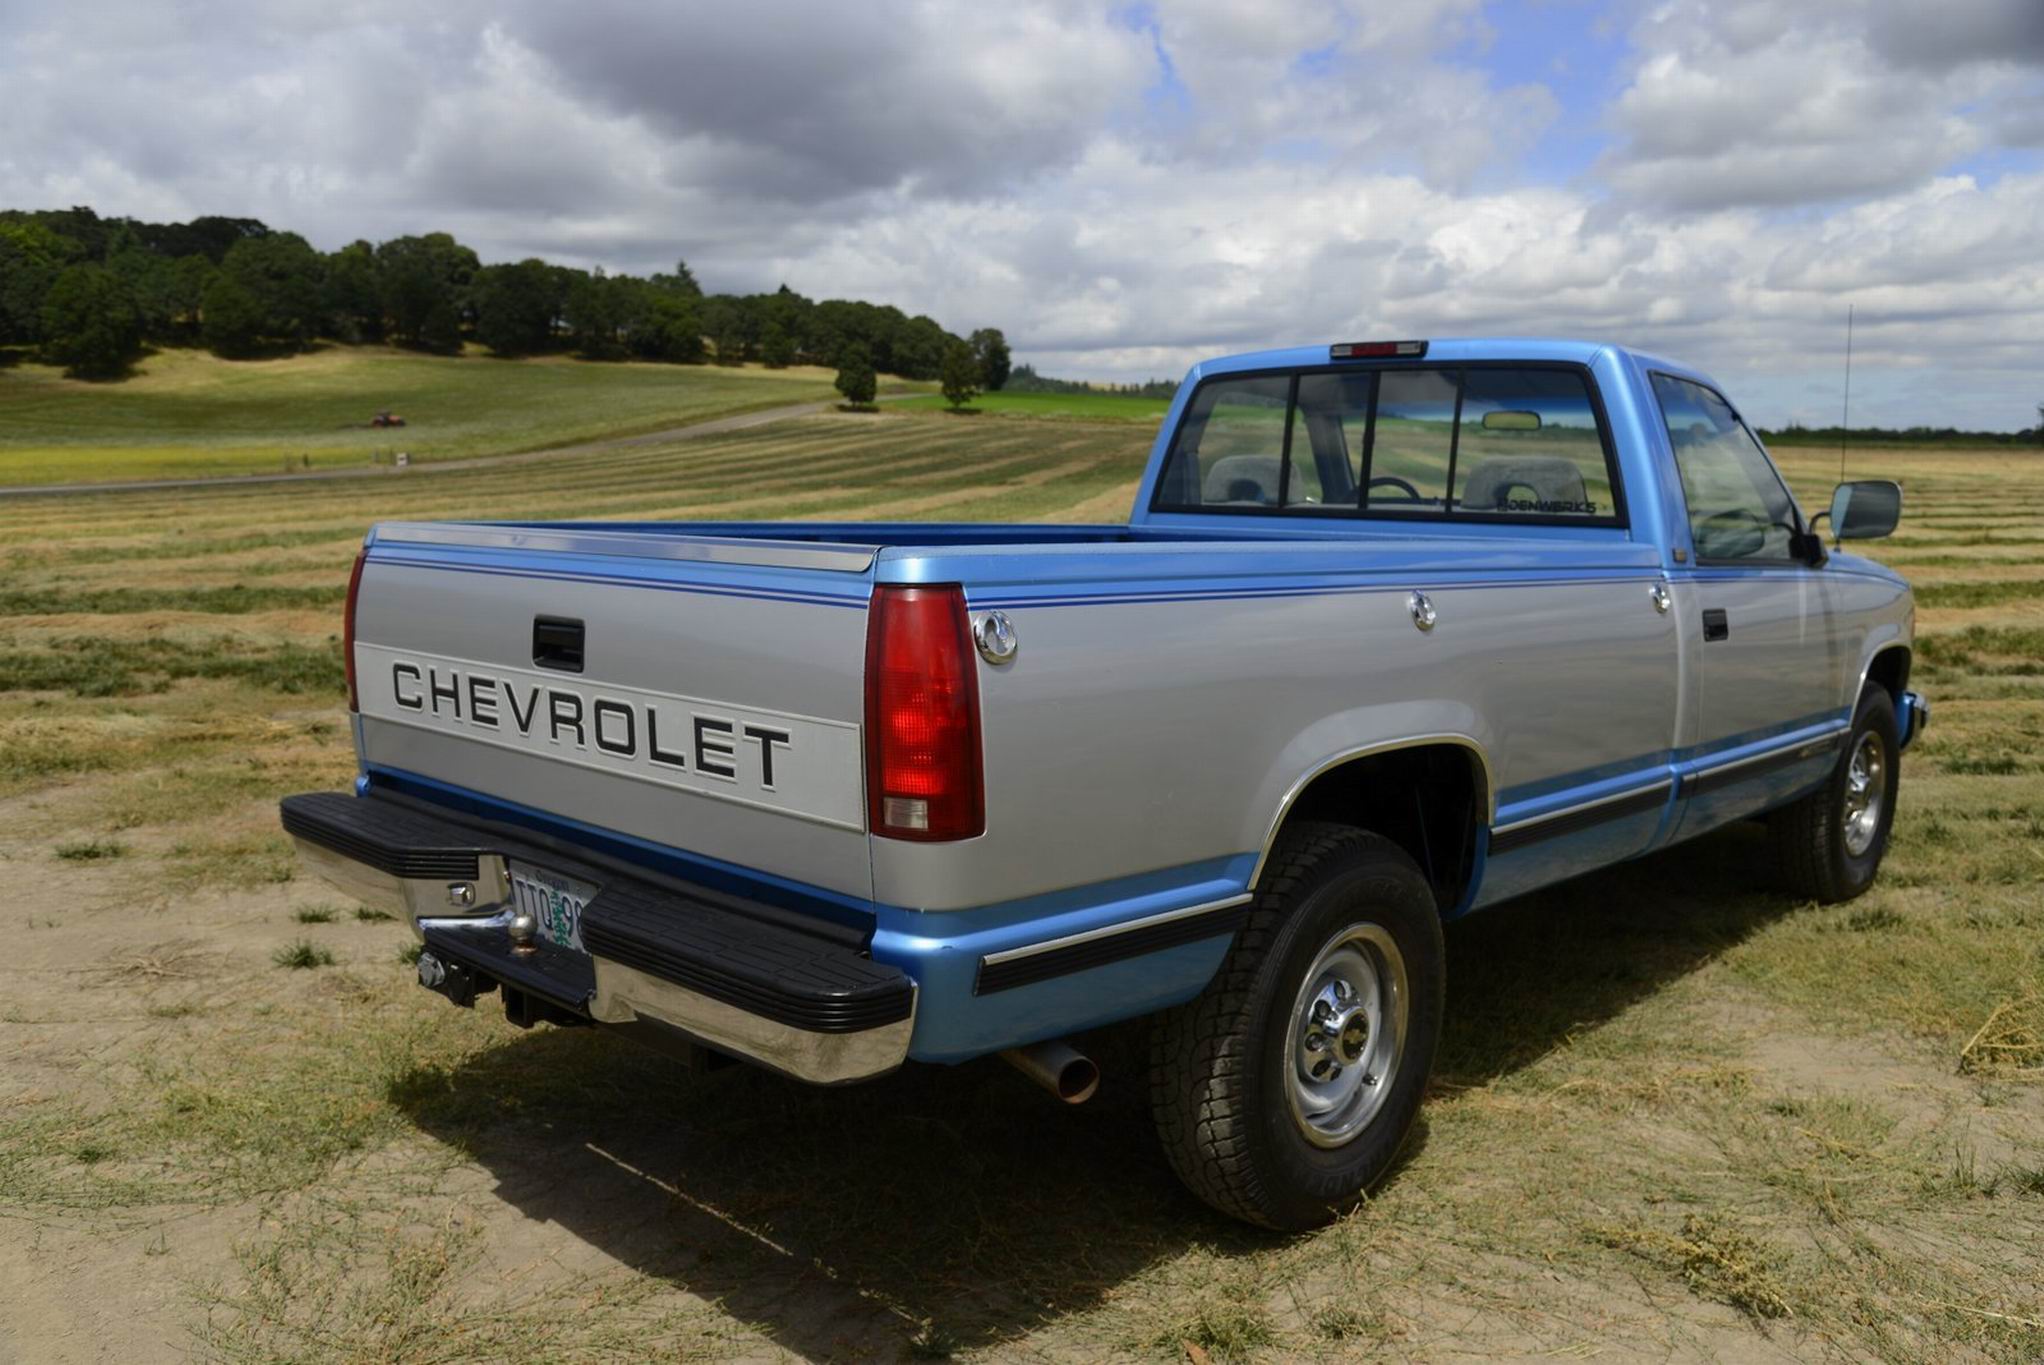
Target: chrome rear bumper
749, 980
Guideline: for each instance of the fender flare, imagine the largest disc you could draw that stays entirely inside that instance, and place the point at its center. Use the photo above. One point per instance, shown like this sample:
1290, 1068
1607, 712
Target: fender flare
1484, 772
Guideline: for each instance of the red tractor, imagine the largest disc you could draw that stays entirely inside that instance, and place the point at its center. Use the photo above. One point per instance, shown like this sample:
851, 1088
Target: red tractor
386, 418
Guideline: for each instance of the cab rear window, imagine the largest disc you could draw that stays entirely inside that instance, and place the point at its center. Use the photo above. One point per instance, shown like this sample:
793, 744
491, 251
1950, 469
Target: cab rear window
1479, 442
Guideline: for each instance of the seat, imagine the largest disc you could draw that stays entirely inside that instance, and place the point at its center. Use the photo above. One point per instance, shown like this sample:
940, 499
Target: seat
1526, 483
1241, 479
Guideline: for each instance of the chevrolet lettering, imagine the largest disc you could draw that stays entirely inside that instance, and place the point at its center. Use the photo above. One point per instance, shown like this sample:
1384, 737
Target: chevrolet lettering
1397, 631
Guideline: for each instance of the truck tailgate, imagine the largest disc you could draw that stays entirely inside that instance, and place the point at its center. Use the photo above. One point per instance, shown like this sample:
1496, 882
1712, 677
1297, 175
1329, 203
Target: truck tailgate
697, 692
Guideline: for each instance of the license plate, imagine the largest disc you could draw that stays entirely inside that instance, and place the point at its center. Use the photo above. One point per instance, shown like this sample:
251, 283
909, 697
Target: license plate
556, 902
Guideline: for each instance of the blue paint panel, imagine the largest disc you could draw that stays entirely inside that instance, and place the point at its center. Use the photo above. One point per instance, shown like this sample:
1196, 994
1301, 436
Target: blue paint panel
1751, 795
941, 950
953, 1025
1078, 595
1680, 816
1531, 799
1561, 857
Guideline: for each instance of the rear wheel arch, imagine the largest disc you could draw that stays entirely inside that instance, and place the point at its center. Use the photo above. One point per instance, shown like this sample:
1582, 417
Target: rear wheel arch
1430, 796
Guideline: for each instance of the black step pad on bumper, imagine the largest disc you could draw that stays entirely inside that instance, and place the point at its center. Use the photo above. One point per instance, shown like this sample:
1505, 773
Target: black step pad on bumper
762, 969
391, 838
756, 958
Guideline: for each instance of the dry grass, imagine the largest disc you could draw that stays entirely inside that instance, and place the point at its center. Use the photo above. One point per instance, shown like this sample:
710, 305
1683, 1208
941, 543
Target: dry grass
1676, 1113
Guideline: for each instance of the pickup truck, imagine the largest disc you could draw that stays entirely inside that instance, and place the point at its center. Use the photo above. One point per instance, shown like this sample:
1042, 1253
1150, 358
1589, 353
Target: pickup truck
1396, 631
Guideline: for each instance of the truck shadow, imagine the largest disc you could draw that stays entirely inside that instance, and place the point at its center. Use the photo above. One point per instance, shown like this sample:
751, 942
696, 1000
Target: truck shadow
960, 1208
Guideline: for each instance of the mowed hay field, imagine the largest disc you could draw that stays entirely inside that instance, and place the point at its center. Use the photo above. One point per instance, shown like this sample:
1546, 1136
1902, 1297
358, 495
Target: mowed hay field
1677, 1114
185, 414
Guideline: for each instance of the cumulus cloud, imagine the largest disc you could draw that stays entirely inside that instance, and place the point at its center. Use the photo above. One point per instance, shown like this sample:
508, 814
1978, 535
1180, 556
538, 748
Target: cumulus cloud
1126, 187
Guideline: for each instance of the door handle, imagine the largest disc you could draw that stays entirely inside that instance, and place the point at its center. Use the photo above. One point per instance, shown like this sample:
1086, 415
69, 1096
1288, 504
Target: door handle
1716, 625
557, 643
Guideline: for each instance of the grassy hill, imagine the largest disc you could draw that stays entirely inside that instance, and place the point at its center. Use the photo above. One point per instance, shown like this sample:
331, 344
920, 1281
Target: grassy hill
1091, 407
188, 414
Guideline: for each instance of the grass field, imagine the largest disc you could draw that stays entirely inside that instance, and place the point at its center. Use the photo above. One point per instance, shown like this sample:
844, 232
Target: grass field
1090, 407
1677, 1113
186, 414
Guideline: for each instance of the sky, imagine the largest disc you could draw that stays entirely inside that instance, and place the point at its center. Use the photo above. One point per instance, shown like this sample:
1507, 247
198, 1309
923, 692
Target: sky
1124, 188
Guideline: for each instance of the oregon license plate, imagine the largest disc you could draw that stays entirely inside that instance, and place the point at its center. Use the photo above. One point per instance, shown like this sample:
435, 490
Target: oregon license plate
556, 902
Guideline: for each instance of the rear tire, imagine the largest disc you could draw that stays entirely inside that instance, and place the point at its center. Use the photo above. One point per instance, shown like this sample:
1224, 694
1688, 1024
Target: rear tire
1286, 1088
1829, 844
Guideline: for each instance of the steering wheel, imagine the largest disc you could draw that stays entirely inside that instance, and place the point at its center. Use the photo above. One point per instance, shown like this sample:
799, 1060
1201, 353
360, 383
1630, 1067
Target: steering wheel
1393, 481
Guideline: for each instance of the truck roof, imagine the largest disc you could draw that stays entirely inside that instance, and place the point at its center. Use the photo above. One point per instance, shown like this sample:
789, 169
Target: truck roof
1448, 349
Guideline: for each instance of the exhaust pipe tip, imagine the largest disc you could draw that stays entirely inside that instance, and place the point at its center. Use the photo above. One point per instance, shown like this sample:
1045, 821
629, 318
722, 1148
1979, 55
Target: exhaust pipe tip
1059, 1068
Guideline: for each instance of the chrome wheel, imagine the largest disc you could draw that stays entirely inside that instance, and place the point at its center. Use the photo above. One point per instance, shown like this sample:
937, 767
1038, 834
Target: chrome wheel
1866, 793
1347, 1034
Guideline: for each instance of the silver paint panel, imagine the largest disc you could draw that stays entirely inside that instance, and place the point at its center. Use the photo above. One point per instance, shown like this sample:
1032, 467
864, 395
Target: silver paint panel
786, 657
1182, 727
816, 772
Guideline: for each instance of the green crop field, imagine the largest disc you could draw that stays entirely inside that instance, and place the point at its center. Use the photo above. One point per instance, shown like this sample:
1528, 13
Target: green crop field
1091, 407
189, 415
1677, 1114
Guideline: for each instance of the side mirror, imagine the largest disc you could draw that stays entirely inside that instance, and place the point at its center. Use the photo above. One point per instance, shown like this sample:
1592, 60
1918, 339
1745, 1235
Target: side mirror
1865, 510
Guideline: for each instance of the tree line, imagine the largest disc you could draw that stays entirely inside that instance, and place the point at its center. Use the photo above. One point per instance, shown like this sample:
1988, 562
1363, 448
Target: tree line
90, 293
1795, 434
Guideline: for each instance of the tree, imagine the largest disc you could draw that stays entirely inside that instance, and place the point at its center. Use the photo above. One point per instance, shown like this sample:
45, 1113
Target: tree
151, 281
190, 277
682, 282
440, 332
666, 326
286, 278
855, 377
353, 300
231, 321
90, 325
991, 349
961, 375
514, 307
776, 351
31, 258
416, 276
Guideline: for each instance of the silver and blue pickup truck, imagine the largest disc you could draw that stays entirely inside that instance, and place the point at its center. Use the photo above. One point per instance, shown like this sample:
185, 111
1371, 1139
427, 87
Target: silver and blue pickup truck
1396, 631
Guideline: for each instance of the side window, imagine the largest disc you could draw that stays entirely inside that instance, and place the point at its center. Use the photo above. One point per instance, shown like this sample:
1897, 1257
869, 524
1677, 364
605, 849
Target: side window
1414, 441
1529, 445
1738, 507
1231, 445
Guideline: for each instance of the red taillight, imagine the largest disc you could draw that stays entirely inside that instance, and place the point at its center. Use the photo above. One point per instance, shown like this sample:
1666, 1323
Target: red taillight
922, 717
348, 627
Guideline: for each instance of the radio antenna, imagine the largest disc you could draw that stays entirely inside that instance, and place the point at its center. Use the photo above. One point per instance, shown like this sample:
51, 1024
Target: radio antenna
1845, 416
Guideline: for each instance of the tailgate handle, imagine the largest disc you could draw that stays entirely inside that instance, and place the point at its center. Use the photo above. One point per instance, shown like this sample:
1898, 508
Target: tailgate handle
557, 643
1716, 625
